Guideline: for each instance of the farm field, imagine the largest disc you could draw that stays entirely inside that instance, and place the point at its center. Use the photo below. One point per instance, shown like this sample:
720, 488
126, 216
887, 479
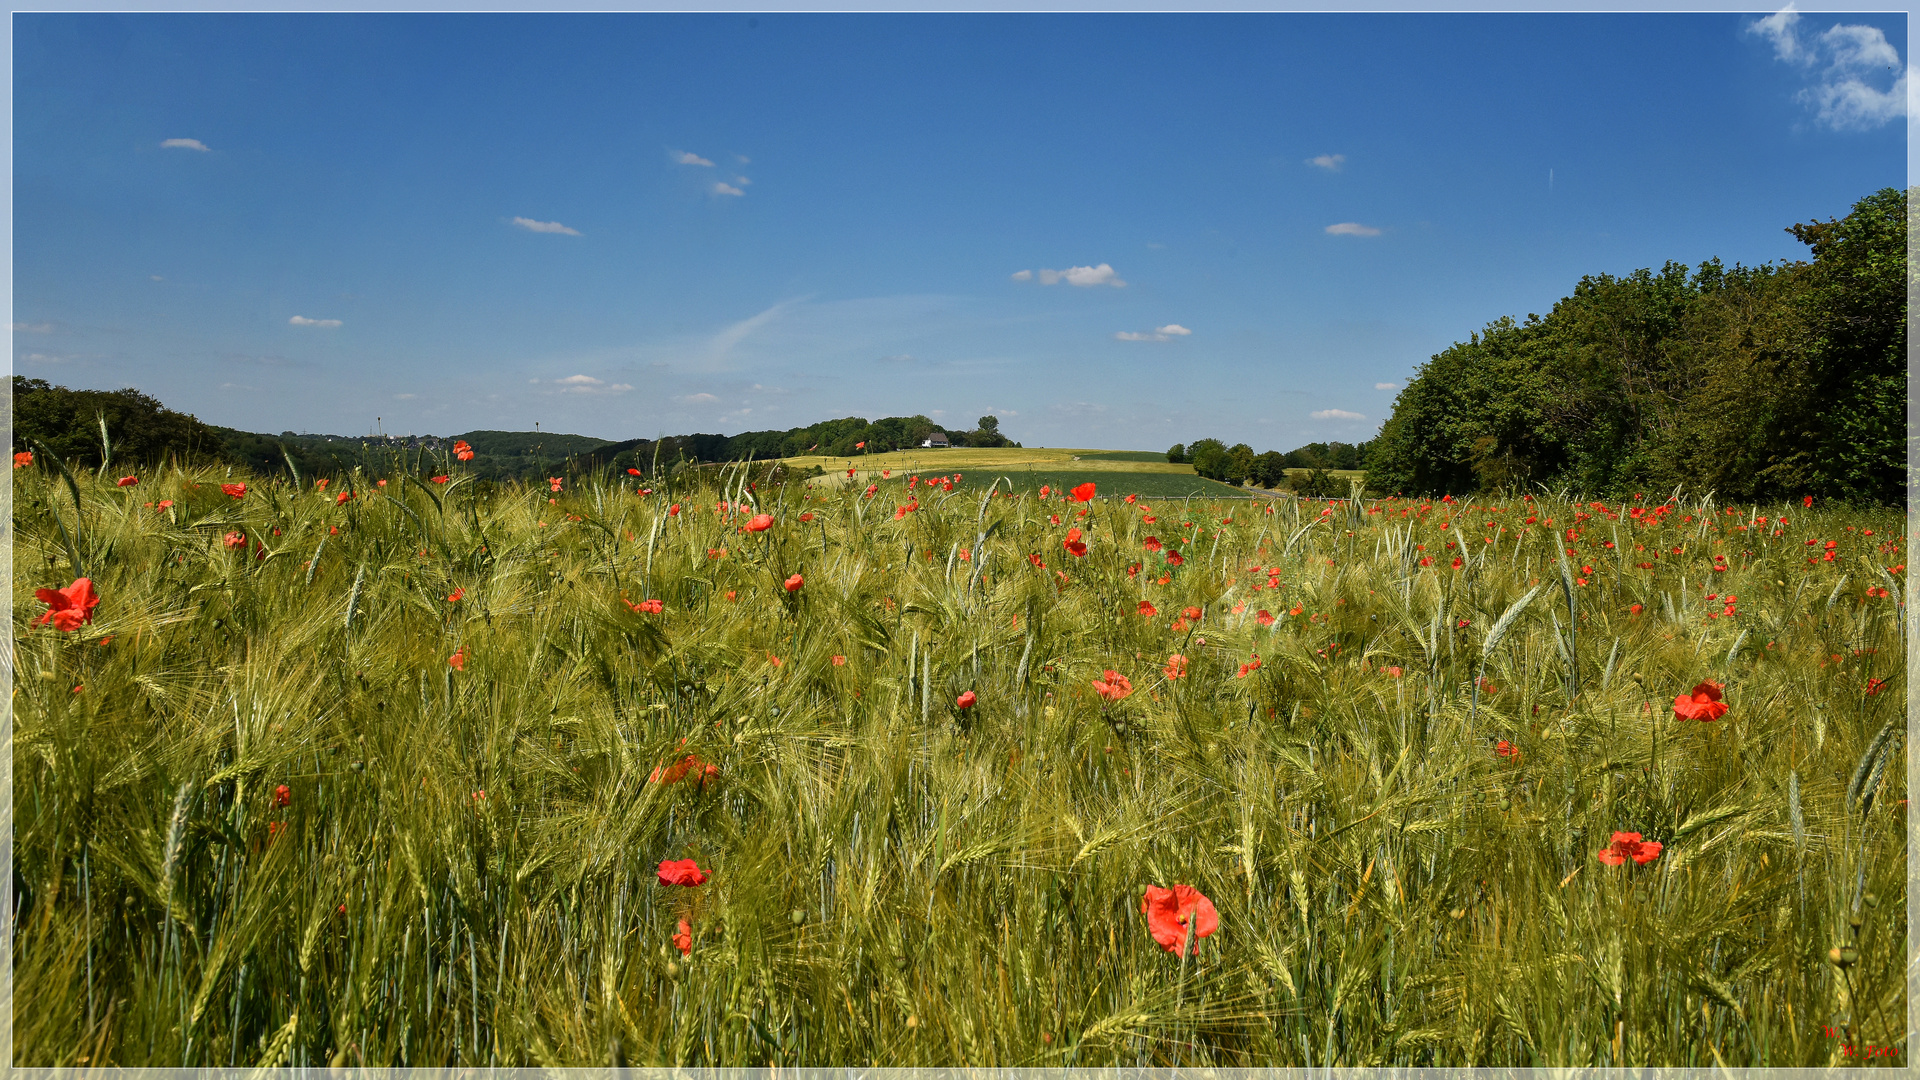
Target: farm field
391, 772
1120, 472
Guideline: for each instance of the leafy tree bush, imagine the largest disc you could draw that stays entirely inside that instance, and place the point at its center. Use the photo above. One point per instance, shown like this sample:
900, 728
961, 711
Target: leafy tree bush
140, 430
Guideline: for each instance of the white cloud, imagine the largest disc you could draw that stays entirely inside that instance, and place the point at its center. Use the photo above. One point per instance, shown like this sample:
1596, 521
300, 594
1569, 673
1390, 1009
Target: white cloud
405, 397
587, 384
897, 358
1159, 333
1352, 228
544, 226
1846, 94
1083, 276
742, 181
723, 188
31, 328
1329, 162
1023, 275
156, 277
1336, 414
697, 399
302, 320
43, 358
687, 157
1386, 386
743, 159
184, 144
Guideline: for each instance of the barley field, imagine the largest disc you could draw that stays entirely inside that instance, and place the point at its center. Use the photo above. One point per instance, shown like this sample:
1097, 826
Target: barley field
714, 771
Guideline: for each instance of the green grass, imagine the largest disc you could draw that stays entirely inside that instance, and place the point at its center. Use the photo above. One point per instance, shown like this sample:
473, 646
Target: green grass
899, 881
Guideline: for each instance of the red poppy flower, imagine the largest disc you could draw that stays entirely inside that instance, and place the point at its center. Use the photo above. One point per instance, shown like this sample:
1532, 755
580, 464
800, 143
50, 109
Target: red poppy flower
678, 770
683, 938
1628, 845
1703, 704
1083, 493
808, 516
283, 796
1507, 750
1075, 548
1174, 558
1152, 543
23, 459
458, 661
1131, 499
793, 583
236, 540
1044, 489
344, 496
860, 446
441, 479
454, 596
966, 700
553, 483
465, 453
682, 872
127, 481
1178, 626
839, 661
1172, 912
1874, 685
1147, 609
1035, 560
647, 607
1190, 613
1808, 502
70, 608
674, 510
1113, 686
1176, 666
1263, 617
238, 491
760, 523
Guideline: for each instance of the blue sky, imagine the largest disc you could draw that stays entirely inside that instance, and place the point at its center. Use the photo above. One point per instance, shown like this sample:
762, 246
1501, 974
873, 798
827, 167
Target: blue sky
1250, 227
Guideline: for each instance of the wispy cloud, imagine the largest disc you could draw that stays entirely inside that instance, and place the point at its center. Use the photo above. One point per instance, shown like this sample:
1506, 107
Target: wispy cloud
1846, 92
302, 320
897, 358
1161, 333
1352, 228
688, 157
544, 226
1022, 275
184, 144
697, 399
1079, 408
1329, 162
1386, 386
405, 397
724, 188
1335, 414
587, 384
31, 328
1083, 276
46, 358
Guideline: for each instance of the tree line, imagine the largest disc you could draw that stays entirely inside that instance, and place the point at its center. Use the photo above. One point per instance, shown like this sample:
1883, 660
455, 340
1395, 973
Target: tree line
1238, 464
1753, 382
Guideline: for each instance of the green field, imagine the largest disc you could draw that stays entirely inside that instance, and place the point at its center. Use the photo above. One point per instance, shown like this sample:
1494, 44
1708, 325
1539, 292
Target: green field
1114, 472
391, 780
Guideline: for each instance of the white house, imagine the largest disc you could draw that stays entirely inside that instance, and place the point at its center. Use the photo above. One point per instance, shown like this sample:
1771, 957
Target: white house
937, 439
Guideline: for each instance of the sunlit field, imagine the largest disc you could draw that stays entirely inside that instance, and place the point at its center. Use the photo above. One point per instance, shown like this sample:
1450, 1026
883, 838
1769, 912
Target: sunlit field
394, 771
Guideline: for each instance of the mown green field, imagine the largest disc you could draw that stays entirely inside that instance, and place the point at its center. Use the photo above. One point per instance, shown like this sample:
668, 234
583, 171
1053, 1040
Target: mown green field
391, 780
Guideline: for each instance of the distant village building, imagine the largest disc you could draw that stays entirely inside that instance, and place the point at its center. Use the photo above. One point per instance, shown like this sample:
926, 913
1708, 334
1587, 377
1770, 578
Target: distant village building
937, 439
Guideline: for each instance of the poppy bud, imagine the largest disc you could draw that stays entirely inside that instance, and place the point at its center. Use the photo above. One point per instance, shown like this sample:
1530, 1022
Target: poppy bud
1854, 920
1871, 900
1842, 957
797, 917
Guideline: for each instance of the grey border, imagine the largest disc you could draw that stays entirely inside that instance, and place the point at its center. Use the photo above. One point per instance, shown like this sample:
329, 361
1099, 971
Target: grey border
7, 651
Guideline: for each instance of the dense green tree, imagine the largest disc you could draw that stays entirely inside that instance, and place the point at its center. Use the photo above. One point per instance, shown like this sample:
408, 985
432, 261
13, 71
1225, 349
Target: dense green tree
1270, 469
1754, 382
140, 430
1209, 458
1239, 464
1177, 454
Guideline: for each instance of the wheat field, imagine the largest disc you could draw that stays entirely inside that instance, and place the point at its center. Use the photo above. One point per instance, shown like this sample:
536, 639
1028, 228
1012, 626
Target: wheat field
390, 779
